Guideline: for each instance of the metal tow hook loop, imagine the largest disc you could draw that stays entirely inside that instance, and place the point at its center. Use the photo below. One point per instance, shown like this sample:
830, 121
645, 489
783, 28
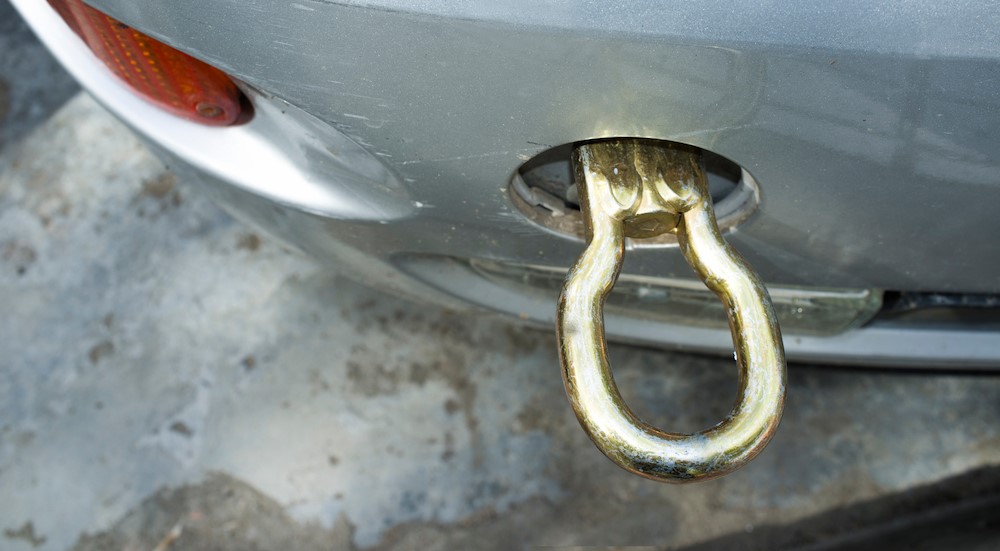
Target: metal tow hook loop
634, 188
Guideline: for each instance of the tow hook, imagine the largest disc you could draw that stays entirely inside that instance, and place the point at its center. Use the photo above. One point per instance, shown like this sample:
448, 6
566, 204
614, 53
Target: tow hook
633, 188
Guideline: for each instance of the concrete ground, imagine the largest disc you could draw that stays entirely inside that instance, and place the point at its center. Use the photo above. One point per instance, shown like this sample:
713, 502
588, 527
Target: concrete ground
172, 379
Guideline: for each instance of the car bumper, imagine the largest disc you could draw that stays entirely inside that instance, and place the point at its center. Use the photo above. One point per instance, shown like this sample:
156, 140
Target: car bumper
383, 142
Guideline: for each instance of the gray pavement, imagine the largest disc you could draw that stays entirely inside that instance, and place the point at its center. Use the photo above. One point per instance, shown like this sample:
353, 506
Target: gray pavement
168, 369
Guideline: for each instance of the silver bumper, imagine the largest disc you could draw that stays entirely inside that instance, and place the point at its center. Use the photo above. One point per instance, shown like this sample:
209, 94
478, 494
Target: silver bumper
383, 141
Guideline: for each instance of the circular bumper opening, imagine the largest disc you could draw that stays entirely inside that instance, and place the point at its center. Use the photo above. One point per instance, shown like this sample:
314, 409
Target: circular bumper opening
544, 191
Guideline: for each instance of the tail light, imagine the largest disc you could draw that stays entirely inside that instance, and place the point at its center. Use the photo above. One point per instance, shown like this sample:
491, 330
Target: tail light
171, 79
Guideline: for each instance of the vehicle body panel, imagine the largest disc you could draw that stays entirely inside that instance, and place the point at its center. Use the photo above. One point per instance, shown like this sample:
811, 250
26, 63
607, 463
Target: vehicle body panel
872, 130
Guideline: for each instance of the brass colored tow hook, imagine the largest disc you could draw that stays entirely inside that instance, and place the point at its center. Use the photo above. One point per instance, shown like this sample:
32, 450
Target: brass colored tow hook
634, 188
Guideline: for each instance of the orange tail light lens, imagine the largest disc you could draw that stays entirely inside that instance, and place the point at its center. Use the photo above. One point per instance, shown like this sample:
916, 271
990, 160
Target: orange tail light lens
171, 79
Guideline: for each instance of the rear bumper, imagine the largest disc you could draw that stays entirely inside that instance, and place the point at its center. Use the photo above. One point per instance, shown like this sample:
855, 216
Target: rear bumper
385, 173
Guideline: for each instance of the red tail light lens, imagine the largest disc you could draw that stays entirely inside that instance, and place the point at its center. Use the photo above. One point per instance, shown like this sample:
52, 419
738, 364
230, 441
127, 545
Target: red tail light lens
171, 79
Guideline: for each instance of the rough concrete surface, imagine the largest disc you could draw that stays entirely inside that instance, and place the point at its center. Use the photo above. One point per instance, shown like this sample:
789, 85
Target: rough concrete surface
173, 378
